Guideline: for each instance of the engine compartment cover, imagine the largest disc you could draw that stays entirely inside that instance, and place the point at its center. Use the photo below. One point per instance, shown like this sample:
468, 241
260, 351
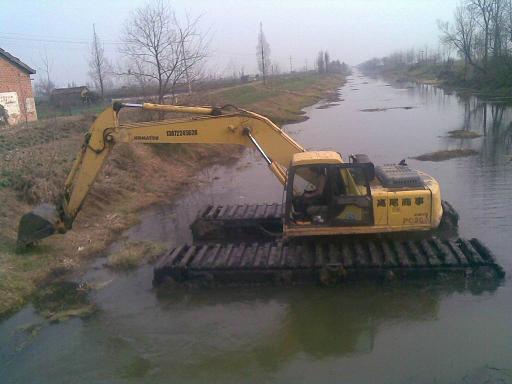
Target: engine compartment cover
398, 176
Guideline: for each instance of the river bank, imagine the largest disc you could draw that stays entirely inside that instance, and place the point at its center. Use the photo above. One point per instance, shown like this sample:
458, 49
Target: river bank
36, 159
450, 79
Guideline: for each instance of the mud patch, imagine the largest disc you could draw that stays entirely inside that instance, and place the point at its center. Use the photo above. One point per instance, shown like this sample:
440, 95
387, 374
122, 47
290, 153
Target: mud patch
332, 97
62, 300
384, 109
446, 155
373, 110
327, 105
462, 134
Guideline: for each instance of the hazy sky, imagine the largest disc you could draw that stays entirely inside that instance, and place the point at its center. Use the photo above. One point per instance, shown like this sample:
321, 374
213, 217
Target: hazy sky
351, 31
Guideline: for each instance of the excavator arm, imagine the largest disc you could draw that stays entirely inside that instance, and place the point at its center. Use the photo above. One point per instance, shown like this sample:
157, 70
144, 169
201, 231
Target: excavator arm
227, 125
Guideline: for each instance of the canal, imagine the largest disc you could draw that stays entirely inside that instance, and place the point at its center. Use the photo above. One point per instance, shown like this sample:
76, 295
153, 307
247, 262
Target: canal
402, 332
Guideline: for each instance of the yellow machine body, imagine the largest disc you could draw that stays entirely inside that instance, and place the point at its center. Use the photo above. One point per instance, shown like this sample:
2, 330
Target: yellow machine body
384, 209
395, 209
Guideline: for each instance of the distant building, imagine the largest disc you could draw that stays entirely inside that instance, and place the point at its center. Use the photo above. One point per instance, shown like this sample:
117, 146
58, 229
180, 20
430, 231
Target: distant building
16, 97
65, 97
249, 78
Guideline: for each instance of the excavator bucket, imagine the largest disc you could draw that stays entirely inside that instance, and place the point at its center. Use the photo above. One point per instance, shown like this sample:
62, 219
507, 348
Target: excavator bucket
38, 224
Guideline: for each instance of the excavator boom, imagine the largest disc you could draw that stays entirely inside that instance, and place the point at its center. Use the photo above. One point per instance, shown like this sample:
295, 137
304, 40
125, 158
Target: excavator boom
228, 125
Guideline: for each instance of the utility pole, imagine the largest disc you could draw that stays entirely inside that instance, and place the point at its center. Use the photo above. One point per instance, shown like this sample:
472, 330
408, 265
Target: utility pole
291, 66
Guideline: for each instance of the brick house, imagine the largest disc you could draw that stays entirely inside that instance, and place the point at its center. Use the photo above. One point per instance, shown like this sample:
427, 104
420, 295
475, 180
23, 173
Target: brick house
16, 96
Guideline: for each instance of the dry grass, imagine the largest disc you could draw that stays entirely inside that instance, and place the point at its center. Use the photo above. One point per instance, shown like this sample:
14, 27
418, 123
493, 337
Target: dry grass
282, 99
34, 162
134, 254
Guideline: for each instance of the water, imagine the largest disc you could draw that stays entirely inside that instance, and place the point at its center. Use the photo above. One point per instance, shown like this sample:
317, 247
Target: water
415, 332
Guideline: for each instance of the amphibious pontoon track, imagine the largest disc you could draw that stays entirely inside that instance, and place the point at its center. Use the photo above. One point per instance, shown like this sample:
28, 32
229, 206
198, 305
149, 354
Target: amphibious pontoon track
263, 221
324, 261
247, 221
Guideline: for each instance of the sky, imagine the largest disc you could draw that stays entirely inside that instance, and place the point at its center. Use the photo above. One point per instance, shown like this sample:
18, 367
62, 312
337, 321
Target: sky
350, 30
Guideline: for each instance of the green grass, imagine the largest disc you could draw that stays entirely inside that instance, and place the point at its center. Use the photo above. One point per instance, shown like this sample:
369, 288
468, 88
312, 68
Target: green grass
496, 82
426, 72
39, 133
46, 110
19, 273
254, 92
296, 82
247, 94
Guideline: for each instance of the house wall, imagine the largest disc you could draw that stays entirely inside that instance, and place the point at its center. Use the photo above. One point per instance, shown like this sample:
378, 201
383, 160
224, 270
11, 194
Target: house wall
16, 94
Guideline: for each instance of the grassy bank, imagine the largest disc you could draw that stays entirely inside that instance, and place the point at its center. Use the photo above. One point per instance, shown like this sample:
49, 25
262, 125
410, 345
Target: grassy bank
46, 110
453, 77
36, 159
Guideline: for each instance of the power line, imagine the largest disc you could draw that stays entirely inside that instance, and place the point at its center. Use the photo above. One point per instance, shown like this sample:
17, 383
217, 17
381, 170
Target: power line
53, 40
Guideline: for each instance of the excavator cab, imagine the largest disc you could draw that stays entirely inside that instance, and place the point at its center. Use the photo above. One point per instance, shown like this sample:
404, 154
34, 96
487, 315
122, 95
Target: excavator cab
323, 191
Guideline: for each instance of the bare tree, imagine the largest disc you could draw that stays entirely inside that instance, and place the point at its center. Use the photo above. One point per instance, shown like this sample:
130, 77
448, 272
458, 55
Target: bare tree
263, 54
481, 12
99, 67
498, 25
160, 49
194, 51
461, 35
320, 62
327, 60
45, 84
508, 25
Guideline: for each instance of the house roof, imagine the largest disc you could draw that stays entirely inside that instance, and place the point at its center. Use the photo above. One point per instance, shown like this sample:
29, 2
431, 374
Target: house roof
17, 62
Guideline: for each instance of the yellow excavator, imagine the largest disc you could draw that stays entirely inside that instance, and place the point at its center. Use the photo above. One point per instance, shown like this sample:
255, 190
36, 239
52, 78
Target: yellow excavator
331, 225
325, 195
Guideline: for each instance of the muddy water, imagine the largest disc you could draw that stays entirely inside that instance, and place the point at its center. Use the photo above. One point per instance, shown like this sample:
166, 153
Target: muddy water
416, 332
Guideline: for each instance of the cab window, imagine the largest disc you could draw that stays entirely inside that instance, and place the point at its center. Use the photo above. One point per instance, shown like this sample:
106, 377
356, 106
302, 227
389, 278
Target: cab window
349, 182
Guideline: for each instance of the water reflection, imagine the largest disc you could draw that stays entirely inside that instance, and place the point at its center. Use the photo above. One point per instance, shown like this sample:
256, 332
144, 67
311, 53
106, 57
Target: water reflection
322, 322
224, 334
491, 118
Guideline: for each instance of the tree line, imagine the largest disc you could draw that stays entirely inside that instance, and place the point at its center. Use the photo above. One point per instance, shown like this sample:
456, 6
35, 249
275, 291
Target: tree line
480, 35
163, 53
158, 50
323, 63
